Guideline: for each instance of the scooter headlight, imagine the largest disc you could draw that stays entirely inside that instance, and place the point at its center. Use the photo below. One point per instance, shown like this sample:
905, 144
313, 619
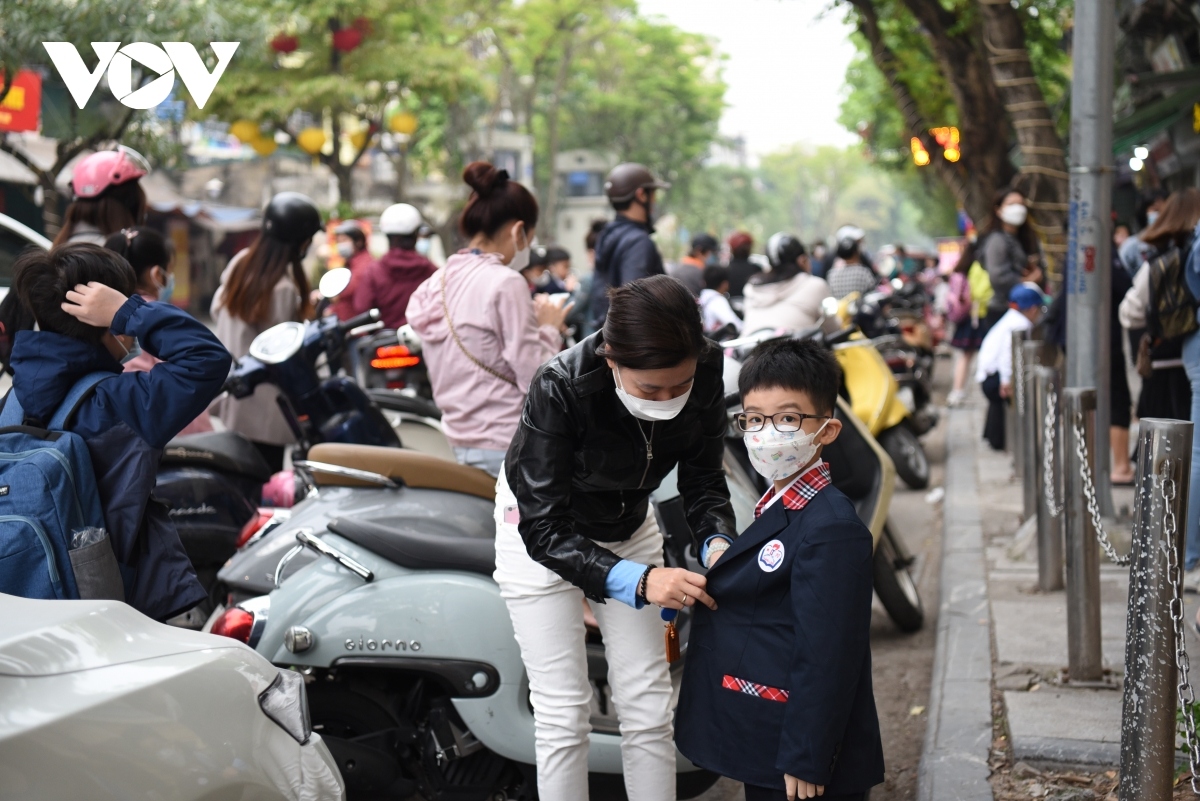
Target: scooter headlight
286, 703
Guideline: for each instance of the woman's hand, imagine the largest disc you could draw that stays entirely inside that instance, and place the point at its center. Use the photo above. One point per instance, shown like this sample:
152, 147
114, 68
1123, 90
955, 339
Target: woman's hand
550, 312
94, 304
798, 788
675, 588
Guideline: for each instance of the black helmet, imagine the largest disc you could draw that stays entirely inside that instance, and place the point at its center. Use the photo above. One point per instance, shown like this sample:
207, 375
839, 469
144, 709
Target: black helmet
783, 250
291, 217
626, 179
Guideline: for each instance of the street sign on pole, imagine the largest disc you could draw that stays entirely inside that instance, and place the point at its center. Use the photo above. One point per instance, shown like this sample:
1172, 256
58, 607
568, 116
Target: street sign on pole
1089, 256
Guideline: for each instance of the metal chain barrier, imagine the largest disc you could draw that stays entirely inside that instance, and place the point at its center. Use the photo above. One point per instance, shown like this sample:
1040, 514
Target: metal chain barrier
1048, 431
1089, 494
1184, 694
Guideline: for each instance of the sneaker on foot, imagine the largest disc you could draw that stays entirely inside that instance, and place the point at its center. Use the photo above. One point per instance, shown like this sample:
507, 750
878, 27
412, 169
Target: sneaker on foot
955, 398
1191, 580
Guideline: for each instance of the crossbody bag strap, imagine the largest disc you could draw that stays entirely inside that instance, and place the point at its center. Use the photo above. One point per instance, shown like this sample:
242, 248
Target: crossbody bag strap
489, 370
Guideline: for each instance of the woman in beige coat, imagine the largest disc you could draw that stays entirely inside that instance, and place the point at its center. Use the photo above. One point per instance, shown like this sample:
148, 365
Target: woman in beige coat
263, 286
788, 296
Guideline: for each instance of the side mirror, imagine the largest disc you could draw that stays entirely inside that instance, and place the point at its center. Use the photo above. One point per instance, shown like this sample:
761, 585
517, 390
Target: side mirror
334, 282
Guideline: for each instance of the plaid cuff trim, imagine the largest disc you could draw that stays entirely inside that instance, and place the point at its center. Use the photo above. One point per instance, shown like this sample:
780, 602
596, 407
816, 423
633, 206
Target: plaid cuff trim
757, 690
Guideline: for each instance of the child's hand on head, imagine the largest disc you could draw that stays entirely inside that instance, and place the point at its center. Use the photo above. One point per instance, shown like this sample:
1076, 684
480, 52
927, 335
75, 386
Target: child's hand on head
94, 304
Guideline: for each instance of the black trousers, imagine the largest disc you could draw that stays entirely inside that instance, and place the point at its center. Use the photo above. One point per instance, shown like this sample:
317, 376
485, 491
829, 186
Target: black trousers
993, 427
754, 793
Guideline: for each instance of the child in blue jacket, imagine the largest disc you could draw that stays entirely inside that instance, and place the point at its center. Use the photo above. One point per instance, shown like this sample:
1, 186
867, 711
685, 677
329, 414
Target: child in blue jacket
777, 688
91, 320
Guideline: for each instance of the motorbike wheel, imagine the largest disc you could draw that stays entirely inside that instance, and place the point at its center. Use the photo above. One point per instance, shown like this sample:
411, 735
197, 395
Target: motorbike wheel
912, 465
894, 583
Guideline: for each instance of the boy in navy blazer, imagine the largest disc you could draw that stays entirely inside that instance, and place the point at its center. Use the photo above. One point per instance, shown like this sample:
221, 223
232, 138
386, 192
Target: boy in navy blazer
777, 688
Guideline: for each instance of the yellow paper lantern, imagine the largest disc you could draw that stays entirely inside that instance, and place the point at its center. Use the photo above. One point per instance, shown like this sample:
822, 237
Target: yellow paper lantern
311, 140
246, 131
264, 145
359, 138
403, 122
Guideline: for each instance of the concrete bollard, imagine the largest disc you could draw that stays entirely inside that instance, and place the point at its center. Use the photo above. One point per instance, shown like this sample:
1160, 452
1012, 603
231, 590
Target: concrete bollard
1047, 469
1031, 357
1084, 659
1151, 674
1012, 436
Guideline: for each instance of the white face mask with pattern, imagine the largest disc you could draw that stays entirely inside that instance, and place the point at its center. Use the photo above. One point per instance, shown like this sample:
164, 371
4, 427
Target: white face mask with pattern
779, 454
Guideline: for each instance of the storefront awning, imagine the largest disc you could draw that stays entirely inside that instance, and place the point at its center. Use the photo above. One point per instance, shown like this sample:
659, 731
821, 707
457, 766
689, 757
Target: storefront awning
1141, 125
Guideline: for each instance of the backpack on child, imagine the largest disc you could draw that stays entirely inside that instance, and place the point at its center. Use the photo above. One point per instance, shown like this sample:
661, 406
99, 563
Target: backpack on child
958, 299
53, 539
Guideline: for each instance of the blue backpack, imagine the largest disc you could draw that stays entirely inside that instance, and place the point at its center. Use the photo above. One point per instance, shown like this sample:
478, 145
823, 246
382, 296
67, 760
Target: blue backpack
48, 494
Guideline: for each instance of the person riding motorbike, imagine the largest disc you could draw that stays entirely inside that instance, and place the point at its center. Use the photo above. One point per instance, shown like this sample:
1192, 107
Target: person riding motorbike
605, 422
483, 336
388, 284
352, 247
265, 285
788, 296
851, 272
624, 250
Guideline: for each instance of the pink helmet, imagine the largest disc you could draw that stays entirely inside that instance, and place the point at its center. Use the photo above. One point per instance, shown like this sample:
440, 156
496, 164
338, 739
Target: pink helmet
99, 171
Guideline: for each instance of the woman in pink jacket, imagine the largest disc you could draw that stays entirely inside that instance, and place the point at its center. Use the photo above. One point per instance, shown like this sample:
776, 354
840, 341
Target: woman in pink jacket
483, 336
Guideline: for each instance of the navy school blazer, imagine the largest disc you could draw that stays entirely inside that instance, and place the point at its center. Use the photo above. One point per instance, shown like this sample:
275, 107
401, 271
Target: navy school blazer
794, 615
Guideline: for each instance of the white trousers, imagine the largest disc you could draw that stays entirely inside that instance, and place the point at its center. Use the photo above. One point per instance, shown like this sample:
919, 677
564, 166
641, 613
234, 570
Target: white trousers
547, 616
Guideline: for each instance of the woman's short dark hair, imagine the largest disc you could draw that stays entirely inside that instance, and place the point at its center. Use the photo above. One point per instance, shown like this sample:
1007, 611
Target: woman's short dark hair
496, 200
796, 365
143, 248
42, 278
593, 234
653, 323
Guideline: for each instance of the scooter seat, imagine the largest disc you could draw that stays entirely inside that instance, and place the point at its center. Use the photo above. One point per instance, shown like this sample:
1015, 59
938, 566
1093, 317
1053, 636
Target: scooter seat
413, 468
418, 550
222, 450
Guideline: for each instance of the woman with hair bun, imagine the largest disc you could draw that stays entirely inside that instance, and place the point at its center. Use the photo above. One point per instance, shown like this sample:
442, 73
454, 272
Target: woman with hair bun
482, 334
605, 423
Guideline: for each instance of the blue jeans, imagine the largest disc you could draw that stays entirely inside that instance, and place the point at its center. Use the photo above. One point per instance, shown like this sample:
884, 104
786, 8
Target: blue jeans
484, 458
1191, 365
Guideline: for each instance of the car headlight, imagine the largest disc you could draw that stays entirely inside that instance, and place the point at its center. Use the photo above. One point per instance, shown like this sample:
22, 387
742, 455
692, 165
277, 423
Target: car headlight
286, 703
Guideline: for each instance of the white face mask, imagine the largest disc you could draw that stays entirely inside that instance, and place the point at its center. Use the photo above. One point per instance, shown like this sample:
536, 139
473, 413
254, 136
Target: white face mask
650, 410
1014, 214
779, 454
1151, 217
520, 259
345, 249
132, 352
543, 278
423, 245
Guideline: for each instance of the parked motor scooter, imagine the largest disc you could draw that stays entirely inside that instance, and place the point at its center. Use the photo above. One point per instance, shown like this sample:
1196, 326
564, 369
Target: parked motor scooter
416, 682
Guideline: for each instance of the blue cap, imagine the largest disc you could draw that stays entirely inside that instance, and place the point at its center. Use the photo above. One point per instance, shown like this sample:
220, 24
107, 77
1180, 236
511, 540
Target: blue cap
1026, 296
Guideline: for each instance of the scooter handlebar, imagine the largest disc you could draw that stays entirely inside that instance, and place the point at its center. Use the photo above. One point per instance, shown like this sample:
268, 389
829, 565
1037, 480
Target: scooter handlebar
366, 318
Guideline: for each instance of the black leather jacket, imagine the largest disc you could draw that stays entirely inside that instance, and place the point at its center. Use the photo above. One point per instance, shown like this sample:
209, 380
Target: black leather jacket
582, 467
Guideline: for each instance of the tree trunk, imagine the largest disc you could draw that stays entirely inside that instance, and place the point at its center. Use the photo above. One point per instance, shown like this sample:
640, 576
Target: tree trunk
552, 140
970, 192
981, 122
1044, 178
51, 217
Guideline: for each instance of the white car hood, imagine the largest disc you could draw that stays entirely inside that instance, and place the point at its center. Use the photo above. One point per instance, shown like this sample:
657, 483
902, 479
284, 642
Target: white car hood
46, 638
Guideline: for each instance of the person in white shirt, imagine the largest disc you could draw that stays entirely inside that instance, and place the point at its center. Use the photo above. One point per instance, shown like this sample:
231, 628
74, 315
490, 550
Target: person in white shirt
715, 311
994, 372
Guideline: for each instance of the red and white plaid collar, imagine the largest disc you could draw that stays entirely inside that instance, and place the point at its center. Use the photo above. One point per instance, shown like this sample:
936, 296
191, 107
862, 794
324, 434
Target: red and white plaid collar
802, 489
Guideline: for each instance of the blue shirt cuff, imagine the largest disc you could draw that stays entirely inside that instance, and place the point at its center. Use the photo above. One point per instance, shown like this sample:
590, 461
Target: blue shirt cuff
622, 583
707, 542
123, 315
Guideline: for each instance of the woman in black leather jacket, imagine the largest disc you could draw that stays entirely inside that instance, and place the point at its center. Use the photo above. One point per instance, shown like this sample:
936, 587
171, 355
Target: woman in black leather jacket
604, 423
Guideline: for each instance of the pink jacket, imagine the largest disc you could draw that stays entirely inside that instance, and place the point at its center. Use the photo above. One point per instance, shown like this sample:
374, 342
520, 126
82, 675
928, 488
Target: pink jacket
493, 315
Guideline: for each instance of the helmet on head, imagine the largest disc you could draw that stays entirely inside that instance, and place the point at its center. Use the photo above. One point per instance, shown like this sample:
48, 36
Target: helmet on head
847, 237
783, 250
291, 217
99, 171
400, 219
624, 180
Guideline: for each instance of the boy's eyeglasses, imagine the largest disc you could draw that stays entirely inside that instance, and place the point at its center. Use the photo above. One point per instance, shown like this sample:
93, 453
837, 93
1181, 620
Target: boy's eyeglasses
782, 421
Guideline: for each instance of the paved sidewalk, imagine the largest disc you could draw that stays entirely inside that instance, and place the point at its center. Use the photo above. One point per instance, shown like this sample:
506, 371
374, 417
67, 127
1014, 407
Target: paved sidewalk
1002, 644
